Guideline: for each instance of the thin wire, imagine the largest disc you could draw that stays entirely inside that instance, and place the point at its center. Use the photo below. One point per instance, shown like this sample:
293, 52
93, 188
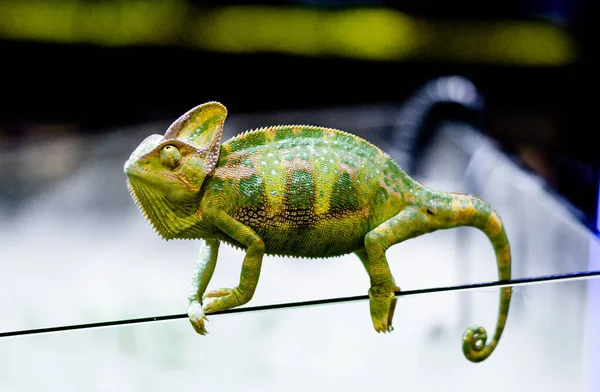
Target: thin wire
467, 287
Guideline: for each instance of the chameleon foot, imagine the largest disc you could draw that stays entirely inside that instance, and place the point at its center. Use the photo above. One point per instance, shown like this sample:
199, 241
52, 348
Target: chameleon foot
382, 304
227, 299
197, 317
212, 300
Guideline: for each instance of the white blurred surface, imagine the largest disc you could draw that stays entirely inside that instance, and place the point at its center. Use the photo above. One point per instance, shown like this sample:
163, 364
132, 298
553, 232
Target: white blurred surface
67, 259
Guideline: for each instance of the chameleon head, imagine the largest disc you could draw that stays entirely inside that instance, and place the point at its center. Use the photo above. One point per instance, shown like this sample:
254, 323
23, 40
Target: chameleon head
165, 173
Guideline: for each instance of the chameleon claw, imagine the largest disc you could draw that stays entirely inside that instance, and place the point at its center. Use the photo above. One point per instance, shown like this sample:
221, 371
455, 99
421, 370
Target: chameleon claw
382, 304
197, 317
384, 329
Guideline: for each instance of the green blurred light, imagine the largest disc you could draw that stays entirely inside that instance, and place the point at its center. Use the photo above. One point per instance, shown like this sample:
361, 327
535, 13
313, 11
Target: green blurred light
367, 33
102, 23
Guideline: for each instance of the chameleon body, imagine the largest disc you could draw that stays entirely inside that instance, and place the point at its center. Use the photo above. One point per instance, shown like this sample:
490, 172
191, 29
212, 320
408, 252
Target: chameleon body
299, 191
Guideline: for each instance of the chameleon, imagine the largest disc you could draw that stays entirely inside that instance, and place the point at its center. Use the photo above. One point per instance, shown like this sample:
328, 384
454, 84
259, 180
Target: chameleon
299, 191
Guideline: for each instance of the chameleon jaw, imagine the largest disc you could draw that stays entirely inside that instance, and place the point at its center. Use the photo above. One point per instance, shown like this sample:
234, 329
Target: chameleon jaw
145, 211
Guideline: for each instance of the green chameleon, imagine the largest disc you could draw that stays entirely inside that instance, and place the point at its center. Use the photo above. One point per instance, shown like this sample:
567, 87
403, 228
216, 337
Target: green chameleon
299, 191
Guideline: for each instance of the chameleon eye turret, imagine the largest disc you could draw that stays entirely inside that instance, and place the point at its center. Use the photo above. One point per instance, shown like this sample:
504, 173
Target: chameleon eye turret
170, 156
300, 191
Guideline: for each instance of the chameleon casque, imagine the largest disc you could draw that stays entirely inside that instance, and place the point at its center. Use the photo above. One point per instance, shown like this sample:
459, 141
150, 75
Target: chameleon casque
300, 191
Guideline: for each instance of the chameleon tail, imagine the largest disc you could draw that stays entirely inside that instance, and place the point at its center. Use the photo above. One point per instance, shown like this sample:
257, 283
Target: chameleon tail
471, 211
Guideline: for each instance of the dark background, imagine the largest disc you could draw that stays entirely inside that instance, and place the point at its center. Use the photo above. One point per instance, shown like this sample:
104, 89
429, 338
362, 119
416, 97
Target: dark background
541, 115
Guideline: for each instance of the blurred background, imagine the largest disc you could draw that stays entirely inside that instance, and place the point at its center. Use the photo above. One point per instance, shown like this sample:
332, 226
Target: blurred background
82, 67
487, 98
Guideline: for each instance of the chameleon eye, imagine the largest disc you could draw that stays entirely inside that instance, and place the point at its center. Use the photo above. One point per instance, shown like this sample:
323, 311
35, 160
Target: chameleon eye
170, 156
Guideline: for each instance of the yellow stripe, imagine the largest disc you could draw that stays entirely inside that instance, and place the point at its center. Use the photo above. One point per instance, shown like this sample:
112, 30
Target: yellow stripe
271, 169
494, 225
325, 175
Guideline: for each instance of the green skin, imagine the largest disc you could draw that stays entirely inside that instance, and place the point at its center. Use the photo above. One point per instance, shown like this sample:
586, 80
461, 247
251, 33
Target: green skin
297, 191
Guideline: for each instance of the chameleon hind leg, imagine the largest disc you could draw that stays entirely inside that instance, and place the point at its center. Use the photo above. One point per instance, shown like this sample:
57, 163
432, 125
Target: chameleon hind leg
382, 299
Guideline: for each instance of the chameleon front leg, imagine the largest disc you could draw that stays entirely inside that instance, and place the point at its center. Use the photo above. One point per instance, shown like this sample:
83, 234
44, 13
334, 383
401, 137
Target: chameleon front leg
225, 298
205, 266
382, 299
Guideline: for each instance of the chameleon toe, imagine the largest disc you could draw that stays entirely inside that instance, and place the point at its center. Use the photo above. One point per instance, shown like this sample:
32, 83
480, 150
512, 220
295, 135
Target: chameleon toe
217, 293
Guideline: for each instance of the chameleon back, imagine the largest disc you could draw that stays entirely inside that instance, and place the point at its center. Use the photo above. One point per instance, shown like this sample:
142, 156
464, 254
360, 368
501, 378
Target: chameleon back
312, 185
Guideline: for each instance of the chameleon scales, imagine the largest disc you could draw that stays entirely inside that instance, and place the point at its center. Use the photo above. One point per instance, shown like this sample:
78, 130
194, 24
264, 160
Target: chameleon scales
300, 191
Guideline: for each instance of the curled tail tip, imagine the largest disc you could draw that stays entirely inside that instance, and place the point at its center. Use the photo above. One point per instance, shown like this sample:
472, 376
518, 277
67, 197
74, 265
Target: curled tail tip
475, 346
